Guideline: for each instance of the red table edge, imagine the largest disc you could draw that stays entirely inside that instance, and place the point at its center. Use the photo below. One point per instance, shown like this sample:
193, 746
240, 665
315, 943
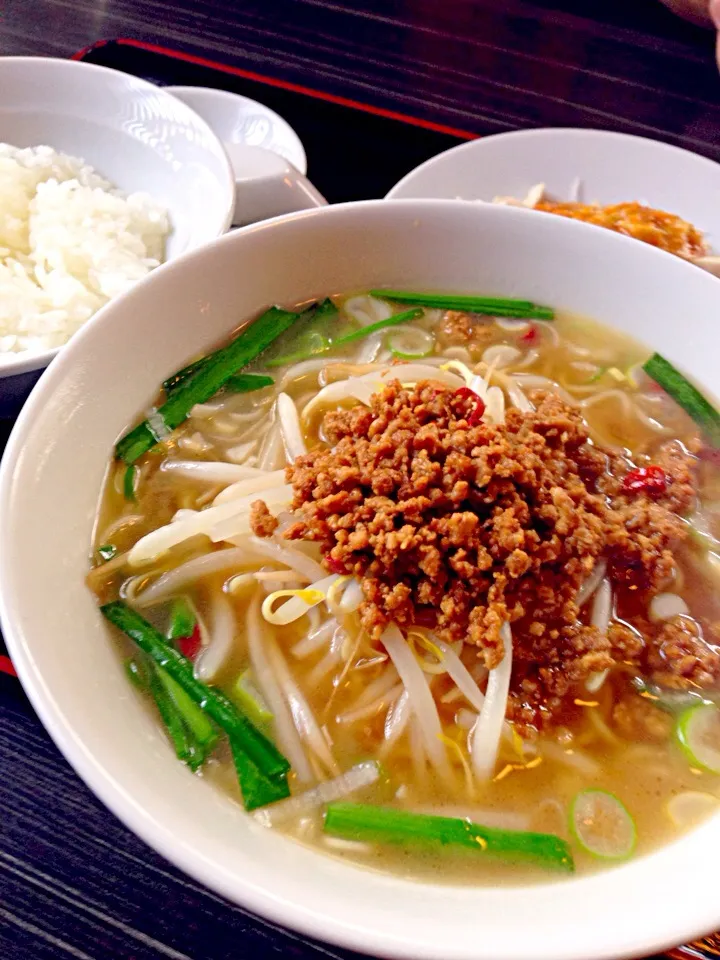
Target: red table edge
282, 84
6, 666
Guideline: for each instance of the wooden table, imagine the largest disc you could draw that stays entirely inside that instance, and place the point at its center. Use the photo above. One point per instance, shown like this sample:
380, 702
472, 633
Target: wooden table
74, 883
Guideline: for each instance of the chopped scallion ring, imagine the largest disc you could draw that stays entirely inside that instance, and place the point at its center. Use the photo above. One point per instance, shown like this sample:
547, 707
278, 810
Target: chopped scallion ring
410, 343
690, 807
602, 825
698, 733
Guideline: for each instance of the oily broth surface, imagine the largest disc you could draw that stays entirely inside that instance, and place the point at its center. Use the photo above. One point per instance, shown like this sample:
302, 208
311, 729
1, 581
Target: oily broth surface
644, 775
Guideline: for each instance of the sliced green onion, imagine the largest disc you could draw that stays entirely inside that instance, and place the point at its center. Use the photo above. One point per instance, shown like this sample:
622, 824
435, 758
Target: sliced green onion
312, 340
191, 714
207, 380
325, 310
195, 742
350, 337
673, 702
238, 383
492, 306
602, 825
129, 481
180, 375
362, 822
182, 619
399, 355
192, 368
247, 696
411, 343
186, 747
257, 789
107, 551
314, 344
698, 733
411, 296
685, 395
137, 674
690, 807
393, 321
218, 707
247, 382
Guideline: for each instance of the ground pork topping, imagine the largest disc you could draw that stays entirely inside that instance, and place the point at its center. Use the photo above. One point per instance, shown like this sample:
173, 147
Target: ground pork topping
464, 527
262, 521
457, 328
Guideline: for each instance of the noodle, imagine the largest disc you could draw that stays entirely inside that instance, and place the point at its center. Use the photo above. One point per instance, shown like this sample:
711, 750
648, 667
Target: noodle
349, 602
285, 730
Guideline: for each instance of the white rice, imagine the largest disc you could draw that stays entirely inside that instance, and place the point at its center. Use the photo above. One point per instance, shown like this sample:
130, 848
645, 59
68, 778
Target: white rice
69, 241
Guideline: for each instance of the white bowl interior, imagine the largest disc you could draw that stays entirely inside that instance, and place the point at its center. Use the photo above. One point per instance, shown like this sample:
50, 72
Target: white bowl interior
238, 119
609, 168
131, 132
49, 483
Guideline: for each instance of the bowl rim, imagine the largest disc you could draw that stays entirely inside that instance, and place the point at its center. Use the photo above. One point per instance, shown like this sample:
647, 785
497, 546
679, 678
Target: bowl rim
113, 793
524, 138
25, 362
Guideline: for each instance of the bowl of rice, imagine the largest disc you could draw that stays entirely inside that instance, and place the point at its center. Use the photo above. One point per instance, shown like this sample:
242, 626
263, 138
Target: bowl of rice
103, 177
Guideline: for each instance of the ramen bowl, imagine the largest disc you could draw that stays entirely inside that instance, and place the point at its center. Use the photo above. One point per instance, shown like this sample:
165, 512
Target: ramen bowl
50, 481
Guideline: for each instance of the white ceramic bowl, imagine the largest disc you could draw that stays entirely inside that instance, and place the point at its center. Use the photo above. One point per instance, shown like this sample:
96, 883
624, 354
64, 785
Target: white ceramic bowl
608, 167
267, 156
133, 133
240, 120
52, 472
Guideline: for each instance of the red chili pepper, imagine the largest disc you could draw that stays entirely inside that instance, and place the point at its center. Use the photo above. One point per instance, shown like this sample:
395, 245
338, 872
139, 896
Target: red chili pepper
476, 416
530, 336
466, 393
478, 406
190, 646
333, 565
425, 617
650, 480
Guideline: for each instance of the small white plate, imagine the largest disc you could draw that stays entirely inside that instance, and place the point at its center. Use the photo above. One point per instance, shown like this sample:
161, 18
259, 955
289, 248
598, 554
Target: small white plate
610, 168
240, 120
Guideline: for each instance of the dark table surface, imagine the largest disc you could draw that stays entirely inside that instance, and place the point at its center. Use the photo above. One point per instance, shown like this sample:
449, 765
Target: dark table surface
73, 882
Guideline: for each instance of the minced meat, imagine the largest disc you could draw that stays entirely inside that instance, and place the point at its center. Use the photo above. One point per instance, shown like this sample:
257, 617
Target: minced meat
457, 328
681, 657
637, 719
262, 521
467, 527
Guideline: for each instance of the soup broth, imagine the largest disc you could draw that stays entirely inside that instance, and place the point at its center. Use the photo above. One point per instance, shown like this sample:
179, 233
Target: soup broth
332, 691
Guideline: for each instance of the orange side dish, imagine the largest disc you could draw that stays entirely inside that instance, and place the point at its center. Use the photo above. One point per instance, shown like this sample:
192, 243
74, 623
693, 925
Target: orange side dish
661, 229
